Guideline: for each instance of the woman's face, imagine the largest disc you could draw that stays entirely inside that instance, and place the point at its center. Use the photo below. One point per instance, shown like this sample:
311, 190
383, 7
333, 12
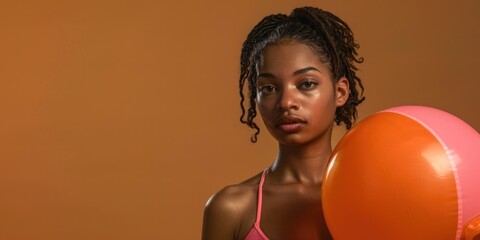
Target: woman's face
296, 95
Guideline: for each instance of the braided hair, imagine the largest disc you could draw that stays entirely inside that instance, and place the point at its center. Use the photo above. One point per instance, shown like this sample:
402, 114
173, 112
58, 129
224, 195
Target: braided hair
330, 38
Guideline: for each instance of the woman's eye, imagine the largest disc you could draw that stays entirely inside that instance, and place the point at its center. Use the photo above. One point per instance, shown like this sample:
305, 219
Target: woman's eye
308, 85
266, 89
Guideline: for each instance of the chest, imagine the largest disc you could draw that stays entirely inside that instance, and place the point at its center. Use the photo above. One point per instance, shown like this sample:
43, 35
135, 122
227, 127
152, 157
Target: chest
294, 213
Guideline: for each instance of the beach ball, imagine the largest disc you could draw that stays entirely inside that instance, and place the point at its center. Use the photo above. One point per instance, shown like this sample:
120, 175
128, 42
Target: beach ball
409, 172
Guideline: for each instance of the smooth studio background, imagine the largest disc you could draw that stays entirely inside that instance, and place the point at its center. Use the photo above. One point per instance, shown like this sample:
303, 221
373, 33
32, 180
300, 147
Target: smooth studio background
118, 119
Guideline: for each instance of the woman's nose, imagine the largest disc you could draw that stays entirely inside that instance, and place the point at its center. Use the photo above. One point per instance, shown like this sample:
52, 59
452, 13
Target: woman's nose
288, 99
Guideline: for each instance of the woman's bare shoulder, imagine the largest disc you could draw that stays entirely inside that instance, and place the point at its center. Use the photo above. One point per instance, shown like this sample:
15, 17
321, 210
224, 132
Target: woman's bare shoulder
226, 210
233, 198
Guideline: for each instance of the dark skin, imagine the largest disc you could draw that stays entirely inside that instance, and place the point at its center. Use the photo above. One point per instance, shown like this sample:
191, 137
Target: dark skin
297, 98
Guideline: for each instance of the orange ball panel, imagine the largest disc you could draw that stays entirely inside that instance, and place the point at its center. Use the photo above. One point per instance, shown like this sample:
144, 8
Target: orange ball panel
390, 178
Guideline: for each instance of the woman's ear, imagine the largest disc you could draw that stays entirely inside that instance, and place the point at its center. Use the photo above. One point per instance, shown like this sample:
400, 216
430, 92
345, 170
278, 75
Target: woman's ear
342, 91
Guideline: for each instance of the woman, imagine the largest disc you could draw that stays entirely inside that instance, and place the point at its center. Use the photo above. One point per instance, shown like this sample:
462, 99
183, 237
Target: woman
301, 76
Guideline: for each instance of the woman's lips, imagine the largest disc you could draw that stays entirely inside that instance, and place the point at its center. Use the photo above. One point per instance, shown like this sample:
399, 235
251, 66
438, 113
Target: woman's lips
290, 123
291, 127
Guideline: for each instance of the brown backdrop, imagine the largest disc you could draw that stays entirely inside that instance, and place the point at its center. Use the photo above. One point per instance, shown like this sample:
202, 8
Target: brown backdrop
120, 118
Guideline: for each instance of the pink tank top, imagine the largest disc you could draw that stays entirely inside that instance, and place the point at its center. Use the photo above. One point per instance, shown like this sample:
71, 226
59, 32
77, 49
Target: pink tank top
256, 233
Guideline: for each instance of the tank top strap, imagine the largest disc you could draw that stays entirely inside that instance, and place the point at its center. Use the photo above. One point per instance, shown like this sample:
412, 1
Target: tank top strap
260, 197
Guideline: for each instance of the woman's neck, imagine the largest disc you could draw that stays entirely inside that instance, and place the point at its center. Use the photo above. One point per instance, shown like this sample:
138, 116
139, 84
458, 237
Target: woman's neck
302, 163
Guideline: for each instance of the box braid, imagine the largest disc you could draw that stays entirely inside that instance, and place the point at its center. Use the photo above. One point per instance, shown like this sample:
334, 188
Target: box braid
325, 33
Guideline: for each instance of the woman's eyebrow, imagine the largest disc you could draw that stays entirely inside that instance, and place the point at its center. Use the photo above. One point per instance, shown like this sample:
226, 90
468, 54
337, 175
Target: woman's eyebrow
298, 72
305, 70
266, 75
